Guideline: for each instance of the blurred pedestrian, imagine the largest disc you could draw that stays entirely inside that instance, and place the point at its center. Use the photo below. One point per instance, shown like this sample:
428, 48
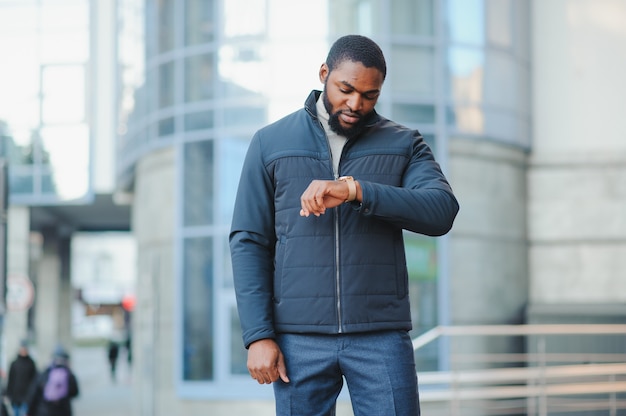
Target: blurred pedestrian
22, 373
54, 389
113, 353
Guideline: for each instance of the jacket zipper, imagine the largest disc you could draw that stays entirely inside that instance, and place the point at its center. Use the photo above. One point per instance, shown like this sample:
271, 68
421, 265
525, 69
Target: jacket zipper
336, 224
337, 285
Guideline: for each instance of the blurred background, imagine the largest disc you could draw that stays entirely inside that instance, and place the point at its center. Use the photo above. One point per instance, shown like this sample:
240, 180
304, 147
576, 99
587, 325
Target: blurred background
123, 127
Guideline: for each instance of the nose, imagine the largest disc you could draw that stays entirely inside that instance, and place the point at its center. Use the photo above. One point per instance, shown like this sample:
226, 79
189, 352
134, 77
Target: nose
355, 102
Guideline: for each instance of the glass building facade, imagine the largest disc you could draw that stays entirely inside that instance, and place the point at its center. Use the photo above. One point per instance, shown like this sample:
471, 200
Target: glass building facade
44, 132
201, 76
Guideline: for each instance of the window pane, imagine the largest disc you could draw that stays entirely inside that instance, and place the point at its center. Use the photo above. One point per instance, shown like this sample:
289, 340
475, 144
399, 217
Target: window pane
421, 261
500, 23
468, 118
14, 152
232, 152
243, 70
467, 21
65, 47
414, 113
199, 121
466, 66
21, 183
166, 85
227, 273
199, 21
198, 183
244, 18
244, 116
70, 169
166, 25
239, 355
197, 305
166, 126
199, 78
415, 76
355, 16
63, 92
412, 17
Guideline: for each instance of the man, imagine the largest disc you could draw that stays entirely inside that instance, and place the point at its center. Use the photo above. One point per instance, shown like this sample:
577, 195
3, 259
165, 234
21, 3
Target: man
55, 388
22, 373
317, 249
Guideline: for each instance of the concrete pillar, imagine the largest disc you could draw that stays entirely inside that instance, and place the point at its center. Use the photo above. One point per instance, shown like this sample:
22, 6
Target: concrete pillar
16, 319
154, 329
53, 295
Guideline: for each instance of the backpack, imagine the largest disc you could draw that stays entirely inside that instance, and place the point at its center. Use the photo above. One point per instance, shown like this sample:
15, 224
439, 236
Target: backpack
57, 385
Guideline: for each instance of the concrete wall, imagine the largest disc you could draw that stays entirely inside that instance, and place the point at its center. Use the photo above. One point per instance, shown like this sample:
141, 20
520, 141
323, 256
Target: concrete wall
488, 256
577, 175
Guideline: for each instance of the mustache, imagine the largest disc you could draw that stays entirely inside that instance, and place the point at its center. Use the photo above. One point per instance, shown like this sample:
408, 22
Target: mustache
349, 113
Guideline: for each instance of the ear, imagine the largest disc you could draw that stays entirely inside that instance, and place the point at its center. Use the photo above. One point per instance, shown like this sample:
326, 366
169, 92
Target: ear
323, 72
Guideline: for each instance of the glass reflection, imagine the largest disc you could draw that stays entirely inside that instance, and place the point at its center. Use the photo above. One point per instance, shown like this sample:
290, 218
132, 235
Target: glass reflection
166, 28
239, 355
244, 17
415, 76
466, 21
198, 183
232, 152
199, 21
166, 85
67, 149
199, 78
45, 49
198, 309
412, 17
414, 113
199, 121
61, 104
355, 16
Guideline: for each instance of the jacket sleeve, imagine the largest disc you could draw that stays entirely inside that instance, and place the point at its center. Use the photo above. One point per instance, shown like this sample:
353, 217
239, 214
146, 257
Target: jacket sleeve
252, 241
424, 203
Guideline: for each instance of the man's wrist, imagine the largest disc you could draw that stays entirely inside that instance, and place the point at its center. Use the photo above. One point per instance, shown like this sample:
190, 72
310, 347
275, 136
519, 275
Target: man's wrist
351, 187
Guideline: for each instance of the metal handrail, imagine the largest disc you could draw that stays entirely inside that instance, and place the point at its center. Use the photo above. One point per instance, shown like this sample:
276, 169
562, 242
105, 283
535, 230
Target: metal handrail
536, 378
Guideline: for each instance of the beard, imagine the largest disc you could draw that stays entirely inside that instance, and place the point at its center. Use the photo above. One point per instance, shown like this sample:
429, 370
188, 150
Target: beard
335, 125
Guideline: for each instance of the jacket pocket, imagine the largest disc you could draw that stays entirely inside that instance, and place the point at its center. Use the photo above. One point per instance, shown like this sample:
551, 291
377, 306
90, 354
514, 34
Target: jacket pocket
279, 265
402, 277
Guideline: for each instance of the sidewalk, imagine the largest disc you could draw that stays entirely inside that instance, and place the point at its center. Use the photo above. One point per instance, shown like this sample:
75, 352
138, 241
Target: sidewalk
99, 395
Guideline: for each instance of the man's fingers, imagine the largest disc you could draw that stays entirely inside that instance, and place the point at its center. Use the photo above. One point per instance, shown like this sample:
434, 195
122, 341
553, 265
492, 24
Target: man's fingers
282, 369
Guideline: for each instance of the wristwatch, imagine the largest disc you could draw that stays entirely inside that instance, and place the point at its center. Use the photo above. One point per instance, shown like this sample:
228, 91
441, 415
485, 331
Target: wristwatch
351, 187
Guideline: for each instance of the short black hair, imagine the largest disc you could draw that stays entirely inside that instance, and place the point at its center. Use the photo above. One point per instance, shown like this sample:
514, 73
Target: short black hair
356, 48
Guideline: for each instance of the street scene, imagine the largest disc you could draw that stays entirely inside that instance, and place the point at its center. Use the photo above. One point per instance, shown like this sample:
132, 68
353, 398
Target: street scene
99, 394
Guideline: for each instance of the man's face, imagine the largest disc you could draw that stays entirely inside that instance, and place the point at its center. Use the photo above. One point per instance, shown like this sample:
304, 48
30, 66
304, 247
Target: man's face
350, 93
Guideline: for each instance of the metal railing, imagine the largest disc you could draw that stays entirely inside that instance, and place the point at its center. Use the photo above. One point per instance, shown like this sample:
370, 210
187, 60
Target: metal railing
537, 370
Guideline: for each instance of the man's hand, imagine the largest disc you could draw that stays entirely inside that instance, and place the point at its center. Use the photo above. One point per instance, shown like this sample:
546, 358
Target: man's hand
266, 362
320, 195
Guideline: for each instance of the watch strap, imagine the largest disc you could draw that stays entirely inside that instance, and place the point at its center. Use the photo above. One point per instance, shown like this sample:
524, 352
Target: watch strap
351, 187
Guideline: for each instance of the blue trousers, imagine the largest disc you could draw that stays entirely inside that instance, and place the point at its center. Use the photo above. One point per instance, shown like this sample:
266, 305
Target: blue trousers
379, 369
